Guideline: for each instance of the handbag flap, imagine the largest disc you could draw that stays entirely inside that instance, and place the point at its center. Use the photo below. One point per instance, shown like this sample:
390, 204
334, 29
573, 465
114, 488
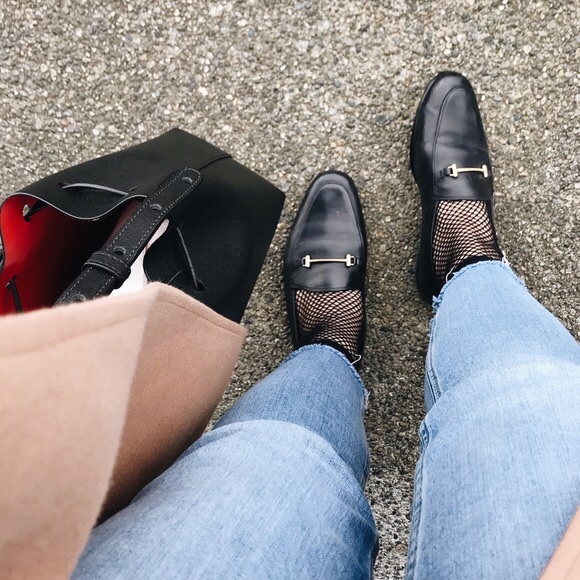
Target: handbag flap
107, 182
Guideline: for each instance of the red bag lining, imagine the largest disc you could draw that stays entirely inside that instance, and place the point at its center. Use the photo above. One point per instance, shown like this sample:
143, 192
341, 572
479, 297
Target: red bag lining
44, 255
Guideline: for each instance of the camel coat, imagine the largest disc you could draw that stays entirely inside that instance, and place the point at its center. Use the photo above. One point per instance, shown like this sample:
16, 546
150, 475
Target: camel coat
96, 400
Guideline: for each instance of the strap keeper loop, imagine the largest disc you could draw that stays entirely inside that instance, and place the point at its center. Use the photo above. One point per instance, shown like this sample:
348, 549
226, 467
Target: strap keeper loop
111, 264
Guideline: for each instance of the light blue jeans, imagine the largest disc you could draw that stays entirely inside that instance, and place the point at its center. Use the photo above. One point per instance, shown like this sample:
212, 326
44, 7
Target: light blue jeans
498, 478
276, 489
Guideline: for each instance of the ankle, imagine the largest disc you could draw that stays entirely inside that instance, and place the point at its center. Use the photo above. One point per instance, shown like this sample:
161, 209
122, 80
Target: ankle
464, 233
332, 318
469, 262
353, 358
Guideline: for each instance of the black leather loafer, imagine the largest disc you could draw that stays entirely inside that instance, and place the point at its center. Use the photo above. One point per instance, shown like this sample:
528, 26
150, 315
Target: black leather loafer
449, 160
326, 249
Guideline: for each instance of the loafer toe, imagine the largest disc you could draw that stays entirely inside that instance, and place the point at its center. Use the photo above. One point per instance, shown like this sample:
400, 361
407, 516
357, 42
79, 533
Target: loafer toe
448, 134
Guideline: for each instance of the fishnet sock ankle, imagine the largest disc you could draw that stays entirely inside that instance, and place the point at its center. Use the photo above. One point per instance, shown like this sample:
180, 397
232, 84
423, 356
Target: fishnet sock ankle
463, 230
331, 316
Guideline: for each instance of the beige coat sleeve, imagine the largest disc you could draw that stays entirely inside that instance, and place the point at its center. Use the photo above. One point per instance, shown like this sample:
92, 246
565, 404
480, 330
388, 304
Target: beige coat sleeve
96, 399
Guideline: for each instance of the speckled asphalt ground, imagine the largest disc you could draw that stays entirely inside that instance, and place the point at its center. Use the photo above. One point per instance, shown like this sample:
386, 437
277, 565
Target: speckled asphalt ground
292, 88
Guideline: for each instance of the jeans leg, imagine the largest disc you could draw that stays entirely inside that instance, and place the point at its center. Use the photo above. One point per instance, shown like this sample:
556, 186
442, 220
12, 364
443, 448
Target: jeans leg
497, 480
274, 491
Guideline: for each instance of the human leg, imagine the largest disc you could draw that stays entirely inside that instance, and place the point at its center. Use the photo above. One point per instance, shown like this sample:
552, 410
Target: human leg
497, 479
276, 489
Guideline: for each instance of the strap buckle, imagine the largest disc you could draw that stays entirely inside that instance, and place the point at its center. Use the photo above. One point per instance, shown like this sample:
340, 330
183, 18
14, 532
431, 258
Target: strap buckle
454, 171
349, 260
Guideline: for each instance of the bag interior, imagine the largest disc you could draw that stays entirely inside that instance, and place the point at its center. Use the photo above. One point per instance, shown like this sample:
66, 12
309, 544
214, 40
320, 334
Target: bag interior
44, 251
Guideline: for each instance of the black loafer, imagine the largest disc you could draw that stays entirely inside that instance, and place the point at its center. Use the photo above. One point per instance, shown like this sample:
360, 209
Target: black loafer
449, 160
327, 248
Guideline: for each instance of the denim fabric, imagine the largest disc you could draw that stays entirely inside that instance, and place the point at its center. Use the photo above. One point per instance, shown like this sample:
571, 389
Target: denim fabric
274, 491
498, 478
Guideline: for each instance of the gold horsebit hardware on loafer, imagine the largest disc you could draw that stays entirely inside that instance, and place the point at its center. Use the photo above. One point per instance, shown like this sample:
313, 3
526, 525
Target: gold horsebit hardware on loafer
454, 171
348, 260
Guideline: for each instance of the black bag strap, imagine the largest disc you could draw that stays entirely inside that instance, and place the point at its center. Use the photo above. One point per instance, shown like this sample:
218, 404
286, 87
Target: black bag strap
108, 268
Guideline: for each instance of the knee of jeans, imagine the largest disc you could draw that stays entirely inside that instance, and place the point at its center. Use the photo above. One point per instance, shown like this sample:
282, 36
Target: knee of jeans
532, 393
262, 435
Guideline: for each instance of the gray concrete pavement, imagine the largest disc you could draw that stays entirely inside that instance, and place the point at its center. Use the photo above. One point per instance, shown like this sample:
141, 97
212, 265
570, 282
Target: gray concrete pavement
292, 88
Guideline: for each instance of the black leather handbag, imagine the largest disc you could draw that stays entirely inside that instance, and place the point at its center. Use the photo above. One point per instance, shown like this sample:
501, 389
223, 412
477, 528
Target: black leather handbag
61, 242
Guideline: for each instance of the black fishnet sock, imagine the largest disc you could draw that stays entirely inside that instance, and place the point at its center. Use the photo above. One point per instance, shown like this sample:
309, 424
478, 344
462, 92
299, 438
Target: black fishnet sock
335, 318
464, 232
